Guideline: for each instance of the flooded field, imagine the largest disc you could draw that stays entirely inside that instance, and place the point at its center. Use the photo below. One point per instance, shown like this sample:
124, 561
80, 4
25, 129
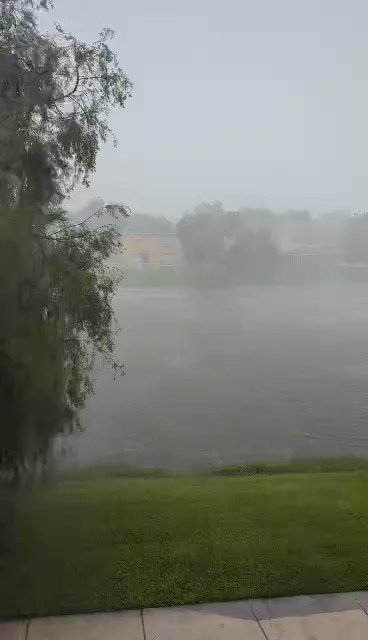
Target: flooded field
220, 376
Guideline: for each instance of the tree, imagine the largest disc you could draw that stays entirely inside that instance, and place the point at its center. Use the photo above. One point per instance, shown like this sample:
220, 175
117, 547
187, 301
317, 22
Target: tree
201, 235
93, 205
55, 287
227, 246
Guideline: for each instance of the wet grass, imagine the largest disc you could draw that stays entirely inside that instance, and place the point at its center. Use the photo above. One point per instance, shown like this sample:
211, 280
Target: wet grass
305, 465
114, 543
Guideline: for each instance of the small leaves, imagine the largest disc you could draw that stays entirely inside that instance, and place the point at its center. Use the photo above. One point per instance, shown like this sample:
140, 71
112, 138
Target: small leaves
53, 120
117, 209
106, 34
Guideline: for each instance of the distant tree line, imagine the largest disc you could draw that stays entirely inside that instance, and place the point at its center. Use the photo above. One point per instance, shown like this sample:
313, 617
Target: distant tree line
258, 244
225, 245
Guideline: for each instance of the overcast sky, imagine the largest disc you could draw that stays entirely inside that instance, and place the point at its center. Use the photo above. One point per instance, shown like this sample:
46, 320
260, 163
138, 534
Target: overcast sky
252, 102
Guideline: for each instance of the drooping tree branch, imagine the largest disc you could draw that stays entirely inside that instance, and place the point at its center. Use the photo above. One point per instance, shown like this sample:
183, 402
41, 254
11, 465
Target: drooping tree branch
56, 298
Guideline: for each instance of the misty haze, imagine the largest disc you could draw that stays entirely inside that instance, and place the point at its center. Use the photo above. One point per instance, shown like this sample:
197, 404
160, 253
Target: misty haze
232, 355
233, 370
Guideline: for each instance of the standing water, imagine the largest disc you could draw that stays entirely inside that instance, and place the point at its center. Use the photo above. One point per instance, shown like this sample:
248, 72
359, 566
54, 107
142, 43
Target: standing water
222, 376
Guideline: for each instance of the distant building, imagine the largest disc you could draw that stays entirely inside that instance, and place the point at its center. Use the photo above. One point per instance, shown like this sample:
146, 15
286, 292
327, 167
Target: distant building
151, 251
150, 243
331, 230
294, 231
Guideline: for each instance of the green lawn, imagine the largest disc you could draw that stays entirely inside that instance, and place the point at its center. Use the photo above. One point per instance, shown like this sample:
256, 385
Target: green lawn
115, 543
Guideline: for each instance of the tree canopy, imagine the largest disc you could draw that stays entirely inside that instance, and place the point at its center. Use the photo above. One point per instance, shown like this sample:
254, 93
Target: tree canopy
55, 287
227, 245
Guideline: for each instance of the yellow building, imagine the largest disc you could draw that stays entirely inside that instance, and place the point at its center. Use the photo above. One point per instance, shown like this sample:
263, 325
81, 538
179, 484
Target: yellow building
151, 251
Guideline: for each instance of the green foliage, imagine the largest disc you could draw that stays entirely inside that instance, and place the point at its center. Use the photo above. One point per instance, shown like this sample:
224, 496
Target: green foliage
55, 287
227, 246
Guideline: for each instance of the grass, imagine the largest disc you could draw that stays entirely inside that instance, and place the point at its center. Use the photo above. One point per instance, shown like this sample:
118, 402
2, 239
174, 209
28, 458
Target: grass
305, 465
104, 544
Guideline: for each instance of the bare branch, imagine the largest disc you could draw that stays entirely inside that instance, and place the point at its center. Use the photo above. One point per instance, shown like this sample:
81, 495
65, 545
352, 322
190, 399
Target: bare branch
92, 77
65, 96
107, 207
80, 224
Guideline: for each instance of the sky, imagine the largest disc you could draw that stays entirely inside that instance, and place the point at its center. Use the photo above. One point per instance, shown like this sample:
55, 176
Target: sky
251, 102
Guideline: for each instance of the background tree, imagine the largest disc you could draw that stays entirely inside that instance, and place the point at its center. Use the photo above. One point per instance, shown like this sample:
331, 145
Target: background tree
55, 288
201, 235
227, 246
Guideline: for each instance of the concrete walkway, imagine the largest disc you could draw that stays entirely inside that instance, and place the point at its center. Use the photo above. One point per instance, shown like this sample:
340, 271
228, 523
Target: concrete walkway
322, 617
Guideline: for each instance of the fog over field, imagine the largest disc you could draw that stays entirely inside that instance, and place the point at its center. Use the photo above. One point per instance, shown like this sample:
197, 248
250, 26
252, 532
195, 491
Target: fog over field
225, 375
